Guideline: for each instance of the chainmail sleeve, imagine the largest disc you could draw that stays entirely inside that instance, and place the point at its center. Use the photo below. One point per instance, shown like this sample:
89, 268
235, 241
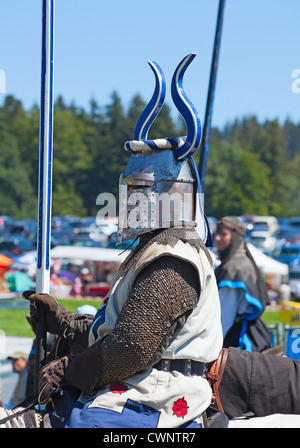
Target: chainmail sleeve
162, 297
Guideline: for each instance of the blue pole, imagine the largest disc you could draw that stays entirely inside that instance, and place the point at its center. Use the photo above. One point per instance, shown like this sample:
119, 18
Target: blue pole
204, 149
45, 177
46, 147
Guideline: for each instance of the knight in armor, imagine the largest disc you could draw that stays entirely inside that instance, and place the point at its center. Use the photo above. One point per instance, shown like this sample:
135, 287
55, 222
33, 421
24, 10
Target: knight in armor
141, 361
151, 339
152, 356
145, 356
243, 294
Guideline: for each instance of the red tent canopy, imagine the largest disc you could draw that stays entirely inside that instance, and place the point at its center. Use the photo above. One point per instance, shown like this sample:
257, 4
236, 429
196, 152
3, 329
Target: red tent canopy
5, 261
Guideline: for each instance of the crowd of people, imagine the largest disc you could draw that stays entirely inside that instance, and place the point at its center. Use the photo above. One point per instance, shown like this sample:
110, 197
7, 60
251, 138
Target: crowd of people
18, 262
69, 276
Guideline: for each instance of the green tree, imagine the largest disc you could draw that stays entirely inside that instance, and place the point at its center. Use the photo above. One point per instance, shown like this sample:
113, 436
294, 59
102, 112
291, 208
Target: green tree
267, 140
237, 182
253, 167
16, 193
292, 137
72, 160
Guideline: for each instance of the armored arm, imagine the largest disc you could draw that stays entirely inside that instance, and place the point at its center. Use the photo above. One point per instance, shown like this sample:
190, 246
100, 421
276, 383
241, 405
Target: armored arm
162, 297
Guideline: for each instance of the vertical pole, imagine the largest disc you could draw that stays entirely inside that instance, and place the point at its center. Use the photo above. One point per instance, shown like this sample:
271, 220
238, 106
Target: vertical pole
210, 98
46, 139
45, 171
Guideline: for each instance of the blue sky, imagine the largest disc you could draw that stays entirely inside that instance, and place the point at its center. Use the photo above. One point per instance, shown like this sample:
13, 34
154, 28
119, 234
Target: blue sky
102, 46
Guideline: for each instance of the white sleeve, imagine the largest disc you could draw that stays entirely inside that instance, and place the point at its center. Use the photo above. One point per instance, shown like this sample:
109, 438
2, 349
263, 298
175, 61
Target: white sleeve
229, 301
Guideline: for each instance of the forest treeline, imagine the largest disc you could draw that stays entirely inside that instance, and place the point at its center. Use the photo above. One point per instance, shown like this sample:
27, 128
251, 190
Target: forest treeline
253, 168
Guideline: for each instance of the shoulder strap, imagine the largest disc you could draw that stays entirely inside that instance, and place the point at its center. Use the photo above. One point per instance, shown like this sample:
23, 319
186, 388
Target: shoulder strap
215, 373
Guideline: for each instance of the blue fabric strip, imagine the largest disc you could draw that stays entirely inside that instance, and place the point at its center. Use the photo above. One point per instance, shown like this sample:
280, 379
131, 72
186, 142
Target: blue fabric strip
98, 320
244, 341
250, 299
134, 415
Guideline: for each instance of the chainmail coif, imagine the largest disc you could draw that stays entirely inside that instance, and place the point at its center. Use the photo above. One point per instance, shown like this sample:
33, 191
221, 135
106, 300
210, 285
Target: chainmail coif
162, 297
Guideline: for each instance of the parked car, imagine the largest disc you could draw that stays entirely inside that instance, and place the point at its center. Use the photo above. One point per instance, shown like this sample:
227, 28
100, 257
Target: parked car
60, 238
76, 225
286, 232
289, 254
12, 245
295, 238
247, 220
269, 222
295, 222
26, 227
263, 239
86, 239
5, 223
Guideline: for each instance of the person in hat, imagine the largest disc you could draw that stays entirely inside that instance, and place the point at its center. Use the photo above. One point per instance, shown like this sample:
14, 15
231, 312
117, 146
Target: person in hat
85, 278
19, 362
243, 293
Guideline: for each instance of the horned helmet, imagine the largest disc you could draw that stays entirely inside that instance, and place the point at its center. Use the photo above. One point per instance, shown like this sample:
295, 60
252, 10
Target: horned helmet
160, 186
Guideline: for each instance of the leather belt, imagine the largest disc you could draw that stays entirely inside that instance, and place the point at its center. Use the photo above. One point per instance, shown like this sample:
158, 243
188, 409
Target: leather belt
185, 366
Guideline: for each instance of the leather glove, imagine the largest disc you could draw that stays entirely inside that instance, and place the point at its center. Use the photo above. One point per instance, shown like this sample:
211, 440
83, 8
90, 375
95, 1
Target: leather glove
52, 377
58, 319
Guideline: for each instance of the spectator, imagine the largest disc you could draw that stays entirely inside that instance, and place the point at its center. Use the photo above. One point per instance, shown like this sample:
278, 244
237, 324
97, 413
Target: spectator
295, 288
285, 292
77, 287
243, 293
19, 361
86, 278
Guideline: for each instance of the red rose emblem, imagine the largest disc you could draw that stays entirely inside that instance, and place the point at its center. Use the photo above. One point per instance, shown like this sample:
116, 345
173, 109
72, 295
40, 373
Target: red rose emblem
180, 407
106, 300
118, 388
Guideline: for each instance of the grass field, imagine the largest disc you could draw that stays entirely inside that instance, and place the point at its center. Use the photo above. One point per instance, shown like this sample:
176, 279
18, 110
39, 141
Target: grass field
14, 322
